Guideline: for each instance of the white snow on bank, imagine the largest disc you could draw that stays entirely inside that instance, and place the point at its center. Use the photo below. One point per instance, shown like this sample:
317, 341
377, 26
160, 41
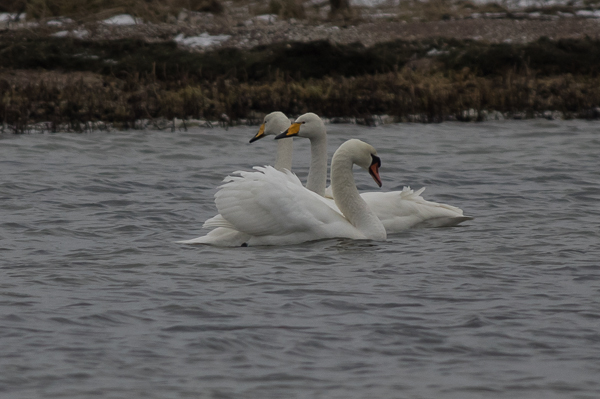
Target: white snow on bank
588, 14
435, 52
263, 19
122, 19
6, 17
78, 33
204, 40
266, 18
59, 21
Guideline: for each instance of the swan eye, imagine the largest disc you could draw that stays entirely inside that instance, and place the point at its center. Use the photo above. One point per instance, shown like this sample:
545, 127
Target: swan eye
376, 160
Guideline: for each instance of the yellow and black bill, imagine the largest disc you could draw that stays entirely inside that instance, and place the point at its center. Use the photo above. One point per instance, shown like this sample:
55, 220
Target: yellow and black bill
290, 132
260, 134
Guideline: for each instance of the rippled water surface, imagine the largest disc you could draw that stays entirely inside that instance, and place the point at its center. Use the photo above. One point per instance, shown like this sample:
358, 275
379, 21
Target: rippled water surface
97, 299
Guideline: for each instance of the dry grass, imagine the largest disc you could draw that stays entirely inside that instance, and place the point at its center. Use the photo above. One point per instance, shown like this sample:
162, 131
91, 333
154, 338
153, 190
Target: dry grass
158, 80
433, 95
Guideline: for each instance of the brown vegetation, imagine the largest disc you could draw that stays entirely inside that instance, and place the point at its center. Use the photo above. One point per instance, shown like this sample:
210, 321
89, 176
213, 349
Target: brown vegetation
74, 82
433, 96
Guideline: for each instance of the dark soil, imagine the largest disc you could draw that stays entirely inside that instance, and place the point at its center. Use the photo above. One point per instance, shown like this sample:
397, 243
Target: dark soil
440, 73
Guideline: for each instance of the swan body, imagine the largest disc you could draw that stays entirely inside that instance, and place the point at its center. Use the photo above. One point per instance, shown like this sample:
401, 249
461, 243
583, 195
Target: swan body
224, 233
401, 210
270, 207
397, 210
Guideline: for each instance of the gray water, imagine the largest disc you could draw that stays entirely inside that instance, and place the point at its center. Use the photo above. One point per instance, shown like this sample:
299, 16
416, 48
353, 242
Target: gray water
97, 299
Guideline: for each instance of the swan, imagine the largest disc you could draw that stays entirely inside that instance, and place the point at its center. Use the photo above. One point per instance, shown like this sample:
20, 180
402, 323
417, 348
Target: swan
397, 210
317, 173
269, 207
273, 124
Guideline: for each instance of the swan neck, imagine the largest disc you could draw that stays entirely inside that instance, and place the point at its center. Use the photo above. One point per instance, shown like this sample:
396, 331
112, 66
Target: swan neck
317, 174
285, 150
349, 201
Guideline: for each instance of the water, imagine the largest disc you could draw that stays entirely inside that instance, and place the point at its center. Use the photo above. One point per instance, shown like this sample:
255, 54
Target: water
96, 299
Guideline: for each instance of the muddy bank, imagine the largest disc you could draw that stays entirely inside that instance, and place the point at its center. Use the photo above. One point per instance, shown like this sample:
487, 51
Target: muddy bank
71, 83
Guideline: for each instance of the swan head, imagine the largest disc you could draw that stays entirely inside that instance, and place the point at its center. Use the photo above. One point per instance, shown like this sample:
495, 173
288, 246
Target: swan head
308, 125
363, 155
273, 124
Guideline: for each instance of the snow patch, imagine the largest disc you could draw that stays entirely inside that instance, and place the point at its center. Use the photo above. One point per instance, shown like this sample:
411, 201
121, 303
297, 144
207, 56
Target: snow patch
268, 18
7, 17
122, 20
565, 14
59, 21
78, 33
588, 14
435, 52
204, 40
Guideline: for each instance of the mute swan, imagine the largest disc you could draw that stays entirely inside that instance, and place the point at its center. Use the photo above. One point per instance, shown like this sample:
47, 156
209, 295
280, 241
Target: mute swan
268, 207
273, 124
397, 210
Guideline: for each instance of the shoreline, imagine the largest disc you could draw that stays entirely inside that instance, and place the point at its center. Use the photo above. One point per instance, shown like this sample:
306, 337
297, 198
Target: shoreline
162, 124
468, 69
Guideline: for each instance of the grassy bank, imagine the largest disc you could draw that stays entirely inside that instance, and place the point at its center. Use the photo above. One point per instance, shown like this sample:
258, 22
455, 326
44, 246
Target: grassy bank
127, 80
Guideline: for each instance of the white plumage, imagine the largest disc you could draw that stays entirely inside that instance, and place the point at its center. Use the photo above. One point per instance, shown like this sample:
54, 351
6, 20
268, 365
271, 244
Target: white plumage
273, 124
397, 210
270, 207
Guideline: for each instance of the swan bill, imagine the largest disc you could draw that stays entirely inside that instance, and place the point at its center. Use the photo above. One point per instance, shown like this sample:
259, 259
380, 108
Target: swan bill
260, 134
374, 169
290, 132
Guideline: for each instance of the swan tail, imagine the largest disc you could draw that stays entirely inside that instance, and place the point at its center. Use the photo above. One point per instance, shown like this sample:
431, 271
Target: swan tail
408, 194
217, 221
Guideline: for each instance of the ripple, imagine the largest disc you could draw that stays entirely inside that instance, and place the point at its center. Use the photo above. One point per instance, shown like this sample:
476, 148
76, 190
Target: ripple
97, 299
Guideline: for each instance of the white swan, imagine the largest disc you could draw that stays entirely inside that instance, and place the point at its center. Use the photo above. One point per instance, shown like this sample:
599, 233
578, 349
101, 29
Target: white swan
397, 210
317, 173
268, 207
273, 124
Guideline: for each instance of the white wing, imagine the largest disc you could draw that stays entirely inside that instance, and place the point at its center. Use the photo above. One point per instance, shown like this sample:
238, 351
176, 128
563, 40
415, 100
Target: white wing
401, 210
217, 221
274, 208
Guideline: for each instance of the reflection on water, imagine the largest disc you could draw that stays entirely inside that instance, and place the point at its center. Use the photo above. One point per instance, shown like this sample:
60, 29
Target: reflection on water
98, 300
